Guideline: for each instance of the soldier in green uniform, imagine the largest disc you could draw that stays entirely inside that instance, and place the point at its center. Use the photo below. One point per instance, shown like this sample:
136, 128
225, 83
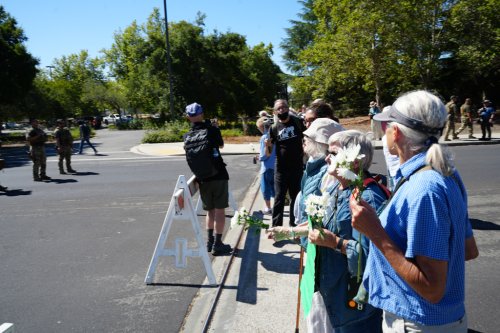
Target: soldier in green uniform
452, 109
37, 139
466, 114
64, 146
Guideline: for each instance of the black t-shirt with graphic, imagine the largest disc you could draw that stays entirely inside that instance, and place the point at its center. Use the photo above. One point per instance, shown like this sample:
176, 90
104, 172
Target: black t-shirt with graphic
288, 139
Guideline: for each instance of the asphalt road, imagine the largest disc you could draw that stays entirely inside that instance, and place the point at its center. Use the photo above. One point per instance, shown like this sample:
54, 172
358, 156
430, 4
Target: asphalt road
74, 252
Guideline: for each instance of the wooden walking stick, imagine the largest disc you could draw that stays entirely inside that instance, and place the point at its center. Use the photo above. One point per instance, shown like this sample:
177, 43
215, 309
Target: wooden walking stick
297, 319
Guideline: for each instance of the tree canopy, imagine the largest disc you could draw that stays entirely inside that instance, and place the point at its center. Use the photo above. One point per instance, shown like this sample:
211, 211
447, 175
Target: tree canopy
354, 51
17, 65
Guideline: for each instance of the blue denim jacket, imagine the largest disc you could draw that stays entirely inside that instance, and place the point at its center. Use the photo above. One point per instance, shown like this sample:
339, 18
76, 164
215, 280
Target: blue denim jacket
335, 268
311, 182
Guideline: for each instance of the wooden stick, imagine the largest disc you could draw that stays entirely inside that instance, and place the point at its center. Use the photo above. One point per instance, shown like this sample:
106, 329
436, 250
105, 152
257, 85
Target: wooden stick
297, 319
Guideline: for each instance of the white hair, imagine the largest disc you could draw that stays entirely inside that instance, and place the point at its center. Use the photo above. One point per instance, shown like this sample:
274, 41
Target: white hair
428, 108
351, 138
314, 149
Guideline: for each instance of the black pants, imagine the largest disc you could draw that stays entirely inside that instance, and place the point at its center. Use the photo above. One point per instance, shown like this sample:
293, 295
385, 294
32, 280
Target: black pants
486, 127
288, 181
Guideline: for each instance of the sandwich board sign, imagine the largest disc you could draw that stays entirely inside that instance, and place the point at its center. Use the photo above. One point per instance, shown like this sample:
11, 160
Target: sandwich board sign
181, 208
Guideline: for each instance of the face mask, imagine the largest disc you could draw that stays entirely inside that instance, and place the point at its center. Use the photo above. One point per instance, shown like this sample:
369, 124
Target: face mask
283, 116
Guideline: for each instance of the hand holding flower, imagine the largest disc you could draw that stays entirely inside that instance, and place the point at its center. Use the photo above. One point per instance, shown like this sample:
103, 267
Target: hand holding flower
316, 209
327, 240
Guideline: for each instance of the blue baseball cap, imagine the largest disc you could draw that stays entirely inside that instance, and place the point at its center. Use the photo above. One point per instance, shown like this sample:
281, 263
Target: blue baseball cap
192, 110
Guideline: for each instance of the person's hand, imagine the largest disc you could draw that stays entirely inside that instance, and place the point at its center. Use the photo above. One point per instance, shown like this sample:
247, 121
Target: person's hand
325, 240
364, 217
279, 233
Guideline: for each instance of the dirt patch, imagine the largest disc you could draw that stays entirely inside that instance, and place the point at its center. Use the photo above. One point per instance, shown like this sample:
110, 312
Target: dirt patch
357, 123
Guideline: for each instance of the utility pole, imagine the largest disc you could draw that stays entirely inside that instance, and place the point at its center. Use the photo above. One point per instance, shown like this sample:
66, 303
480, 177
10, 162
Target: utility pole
169, 63
50, 71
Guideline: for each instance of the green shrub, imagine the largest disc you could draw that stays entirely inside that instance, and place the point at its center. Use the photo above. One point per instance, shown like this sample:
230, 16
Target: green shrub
134, 124
171, 132
232, 132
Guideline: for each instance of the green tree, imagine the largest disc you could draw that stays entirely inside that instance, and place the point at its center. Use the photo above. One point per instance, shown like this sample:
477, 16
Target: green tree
217, 70
17, 66
70, 78
366, 50
474, 31
299, 36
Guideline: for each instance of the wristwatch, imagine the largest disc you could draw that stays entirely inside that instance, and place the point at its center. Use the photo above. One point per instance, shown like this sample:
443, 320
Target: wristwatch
340, 243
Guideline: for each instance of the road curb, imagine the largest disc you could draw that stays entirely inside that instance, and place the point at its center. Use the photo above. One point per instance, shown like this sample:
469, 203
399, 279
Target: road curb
201, 305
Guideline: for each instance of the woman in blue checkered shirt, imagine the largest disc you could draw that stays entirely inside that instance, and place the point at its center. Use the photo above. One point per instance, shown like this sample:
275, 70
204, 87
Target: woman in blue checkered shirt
419, 243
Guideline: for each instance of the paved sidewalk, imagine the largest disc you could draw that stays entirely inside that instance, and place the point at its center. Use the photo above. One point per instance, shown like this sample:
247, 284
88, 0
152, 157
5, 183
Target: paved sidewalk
260, 291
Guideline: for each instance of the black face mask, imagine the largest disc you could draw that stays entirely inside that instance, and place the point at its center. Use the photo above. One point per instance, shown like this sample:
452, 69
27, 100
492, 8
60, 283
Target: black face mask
283, 116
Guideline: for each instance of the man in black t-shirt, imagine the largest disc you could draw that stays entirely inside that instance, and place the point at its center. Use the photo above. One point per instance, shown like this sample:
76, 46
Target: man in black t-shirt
287, 135
214, 190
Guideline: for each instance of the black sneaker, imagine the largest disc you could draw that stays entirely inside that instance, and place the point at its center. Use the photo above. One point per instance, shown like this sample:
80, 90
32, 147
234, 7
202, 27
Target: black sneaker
62, 172
44, 177
72, 171
221, 248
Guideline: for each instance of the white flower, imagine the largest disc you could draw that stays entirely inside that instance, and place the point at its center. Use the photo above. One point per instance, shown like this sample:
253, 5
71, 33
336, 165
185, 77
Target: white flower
347, 174
352, 153
235, 219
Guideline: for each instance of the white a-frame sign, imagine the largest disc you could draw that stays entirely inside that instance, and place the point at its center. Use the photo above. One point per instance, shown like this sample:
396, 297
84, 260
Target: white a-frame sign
181, 208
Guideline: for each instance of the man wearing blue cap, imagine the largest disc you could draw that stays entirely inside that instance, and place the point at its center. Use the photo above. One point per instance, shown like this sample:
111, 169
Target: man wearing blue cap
202, 145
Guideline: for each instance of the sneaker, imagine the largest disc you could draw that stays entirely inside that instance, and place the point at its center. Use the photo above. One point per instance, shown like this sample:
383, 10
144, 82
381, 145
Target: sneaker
267, 211
3, 188
62, 172
37, 179
221, 248
45, 177
72, 171
472, 137
447, 139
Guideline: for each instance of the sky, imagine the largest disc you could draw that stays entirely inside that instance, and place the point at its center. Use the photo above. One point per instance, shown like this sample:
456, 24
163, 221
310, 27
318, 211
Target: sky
57, 28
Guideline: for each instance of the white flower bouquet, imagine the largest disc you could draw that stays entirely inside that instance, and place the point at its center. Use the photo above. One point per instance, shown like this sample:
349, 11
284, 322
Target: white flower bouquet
316, 209
345, 162
242, 217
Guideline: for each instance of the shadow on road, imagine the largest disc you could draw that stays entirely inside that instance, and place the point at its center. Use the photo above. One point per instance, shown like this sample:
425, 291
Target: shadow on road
85, 173
483, 225
15, 193
62, 181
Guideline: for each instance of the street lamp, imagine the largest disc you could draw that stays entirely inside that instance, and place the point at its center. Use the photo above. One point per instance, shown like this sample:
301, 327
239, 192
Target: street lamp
50, 71
169, 61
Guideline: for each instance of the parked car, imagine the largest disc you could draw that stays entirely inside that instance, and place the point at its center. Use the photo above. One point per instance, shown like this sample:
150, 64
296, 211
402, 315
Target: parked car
111, 119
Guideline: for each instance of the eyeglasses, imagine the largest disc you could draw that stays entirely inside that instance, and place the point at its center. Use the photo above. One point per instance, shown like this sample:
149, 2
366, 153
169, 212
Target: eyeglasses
332, 154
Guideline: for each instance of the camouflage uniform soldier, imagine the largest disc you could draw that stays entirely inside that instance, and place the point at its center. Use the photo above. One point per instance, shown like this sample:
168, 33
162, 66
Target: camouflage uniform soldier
37, 139
452, 109
64, 145
466, 113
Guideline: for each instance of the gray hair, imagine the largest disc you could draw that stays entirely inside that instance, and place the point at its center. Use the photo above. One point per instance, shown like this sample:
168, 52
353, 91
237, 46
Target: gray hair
351, 138
315, 149
428, 108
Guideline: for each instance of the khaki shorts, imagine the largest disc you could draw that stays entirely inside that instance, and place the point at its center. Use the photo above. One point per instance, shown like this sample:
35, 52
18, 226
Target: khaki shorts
395, 324
214, 194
